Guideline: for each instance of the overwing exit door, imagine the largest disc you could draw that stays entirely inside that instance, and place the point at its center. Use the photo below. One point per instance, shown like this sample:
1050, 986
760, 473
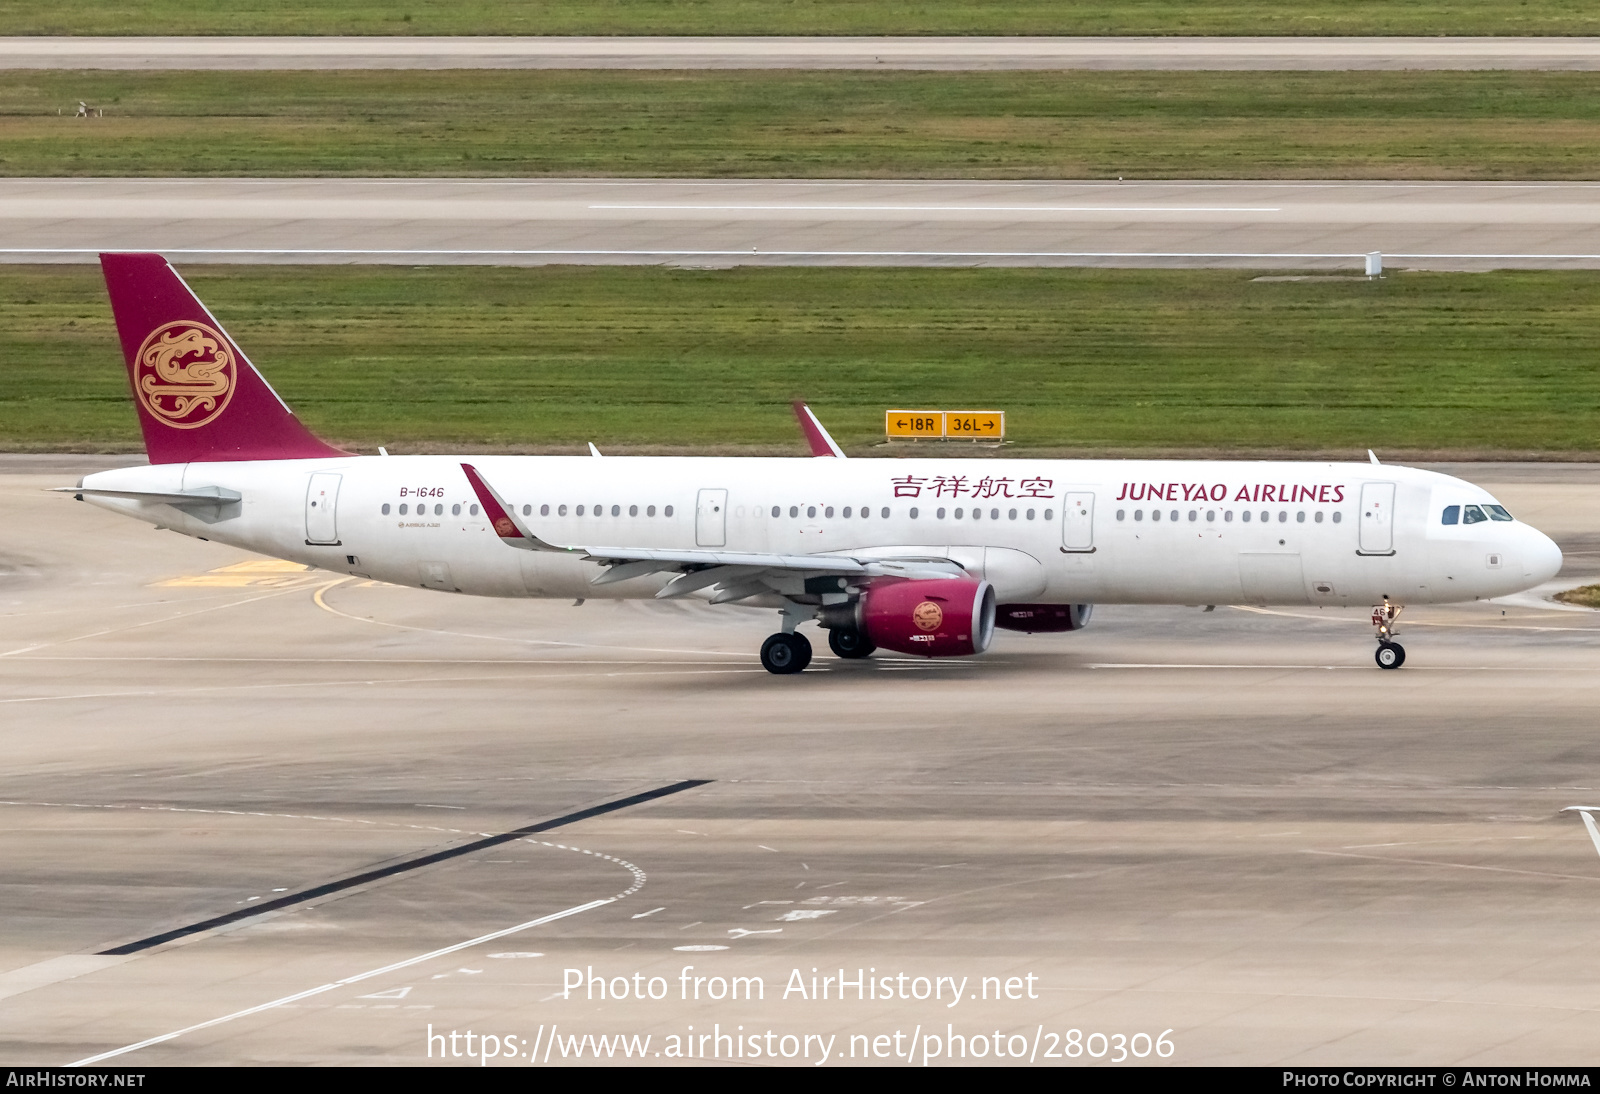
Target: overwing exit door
322, 509
711, 518
1077, 521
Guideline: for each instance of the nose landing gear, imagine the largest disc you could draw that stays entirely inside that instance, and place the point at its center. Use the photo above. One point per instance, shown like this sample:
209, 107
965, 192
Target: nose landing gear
1390, 654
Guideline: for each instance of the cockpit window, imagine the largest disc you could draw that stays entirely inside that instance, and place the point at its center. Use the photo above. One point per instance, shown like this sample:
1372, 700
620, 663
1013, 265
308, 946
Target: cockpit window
1452, 514
1472, 514
1498, 512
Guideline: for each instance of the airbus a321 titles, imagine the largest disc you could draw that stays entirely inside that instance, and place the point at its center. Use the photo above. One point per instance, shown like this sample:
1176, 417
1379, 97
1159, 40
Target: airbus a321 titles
920, 556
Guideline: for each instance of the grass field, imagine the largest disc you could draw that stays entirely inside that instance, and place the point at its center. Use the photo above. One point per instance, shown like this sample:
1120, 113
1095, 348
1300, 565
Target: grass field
800, 17
1081, 360
1399, 125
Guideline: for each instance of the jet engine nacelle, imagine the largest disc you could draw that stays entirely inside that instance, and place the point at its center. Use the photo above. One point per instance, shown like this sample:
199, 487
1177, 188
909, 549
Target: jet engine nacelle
1044, 618
939, 617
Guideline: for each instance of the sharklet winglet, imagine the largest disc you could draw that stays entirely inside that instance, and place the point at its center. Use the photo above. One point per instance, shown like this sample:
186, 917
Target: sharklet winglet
503, 517
817, 438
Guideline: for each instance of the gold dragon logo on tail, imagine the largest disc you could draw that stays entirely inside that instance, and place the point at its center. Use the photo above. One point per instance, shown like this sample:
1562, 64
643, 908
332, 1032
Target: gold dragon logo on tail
184, 374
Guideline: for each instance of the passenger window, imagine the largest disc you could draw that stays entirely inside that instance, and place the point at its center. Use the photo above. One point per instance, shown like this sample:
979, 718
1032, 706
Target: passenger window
616, 510
1211, 516
811, 512
561, 511
1283, 516
1193, 515
455, 510
385, 508
403, 509
1174, 514
913, 512
794, 511
474, 510
650, 511
526, 509
667, 511
846, 513
828, 512
885, 512
1452, 514
1300, 517
1319, 516
960, 513
438, 510
1498, 512
939, 513
579, 510
1228, 516
1049, 514
1337, 517
977, 514
1245, 516
1031, 512
1265, 516
1012, 515
1471, 514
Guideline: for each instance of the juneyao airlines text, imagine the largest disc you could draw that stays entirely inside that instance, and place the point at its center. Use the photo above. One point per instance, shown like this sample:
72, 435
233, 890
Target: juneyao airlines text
818, 987
1326, 493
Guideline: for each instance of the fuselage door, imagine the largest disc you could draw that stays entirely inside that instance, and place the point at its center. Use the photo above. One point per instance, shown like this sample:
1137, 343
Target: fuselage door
322, 509
1377, 518
1077, 521
711, 519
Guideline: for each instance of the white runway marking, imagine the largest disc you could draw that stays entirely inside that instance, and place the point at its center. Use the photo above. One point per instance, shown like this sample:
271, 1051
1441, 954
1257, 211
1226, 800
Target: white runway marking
357, 978
951, 208
1588, 822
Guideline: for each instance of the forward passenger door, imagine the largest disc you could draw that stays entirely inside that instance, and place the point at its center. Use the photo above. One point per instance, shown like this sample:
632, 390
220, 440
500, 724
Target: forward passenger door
1377, 518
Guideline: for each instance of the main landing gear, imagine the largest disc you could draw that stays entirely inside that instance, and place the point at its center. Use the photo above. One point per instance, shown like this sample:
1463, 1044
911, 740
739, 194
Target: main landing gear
1390, 654
786, 653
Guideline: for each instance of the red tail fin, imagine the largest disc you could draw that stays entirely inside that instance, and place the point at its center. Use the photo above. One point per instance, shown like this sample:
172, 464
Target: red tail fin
199, 397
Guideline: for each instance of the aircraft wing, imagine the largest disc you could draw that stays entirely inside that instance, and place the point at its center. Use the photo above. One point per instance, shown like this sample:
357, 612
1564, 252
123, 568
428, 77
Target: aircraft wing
734, 571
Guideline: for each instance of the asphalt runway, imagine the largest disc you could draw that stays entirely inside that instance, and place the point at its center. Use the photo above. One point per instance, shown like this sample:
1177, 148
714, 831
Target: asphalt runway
963, 53
1230, 826
1298, 225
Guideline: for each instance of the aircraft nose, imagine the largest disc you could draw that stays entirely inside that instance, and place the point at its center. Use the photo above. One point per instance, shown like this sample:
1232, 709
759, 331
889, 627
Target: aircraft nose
1541, 558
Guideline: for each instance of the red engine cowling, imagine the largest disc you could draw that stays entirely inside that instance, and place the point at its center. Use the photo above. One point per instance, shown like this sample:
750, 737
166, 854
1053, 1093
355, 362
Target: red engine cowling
1043, 618
940, 617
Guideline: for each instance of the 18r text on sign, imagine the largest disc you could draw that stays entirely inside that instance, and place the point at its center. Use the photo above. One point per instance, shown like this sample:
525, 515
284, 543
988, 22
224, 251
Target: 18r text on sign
945, 424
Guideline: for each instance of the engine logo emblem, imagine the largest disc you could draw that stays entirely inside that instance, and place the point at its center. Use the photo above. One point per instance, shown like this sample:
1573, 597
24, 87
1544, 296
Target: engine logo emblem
927, 616
184, 374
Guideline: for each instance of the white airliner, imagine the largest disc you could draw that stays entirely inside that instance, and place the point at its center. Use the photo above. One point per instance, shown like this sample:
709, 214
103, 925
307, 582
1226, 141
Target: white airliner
921, 556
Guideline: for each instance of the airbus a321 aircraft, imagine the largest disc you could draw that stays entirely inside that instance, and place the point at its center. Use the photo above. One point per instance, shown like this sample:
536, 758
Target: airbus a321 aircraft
920, 556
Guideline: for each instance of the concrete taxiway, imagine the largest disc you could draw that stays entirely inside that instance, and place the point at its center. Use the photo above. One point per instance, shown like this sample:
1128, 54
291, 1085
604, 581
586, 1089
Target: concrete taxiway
931, 53
1327, 225
1230, 828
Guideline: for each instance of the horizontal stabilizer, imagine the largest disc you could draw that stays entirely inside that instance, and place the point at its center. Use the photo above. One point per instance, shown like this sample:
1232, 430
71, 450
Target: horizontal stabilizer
201, 495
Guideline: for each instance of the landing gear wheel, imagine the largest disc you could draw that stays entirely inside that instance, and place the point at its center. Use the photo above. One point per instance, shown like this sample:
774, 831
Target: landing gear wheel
850, 645
783, 654
1390, 655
